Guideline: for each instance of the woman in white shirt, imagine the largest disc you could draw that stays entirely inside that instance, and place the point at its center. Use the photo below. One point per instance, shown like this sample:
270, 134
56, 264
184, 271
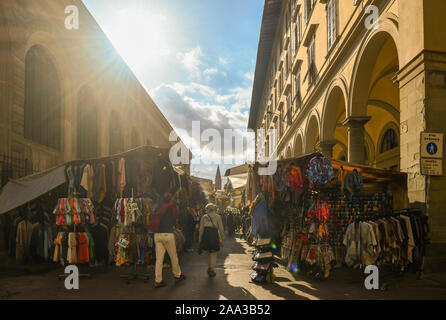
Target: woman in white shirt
211, 236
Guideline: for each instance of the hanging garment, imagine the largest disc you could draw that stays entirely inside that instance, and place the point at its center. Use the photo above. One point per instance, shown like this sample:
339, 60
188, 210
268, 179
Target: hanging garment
295, 180
23, 240
83, 255
78, 173
99, 184
352, 241
280, 179
41, 242
162, 176
353, 184
259, 223
121, 182
112, 240
114, 178
87, 180
57, 248
99, 235
90, 246
319, 171
72, 248
71, 185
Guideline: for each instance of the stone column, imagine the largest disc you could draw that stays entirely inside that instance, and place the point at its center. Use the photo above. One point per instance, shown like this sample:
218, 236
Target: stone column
356, 137
326, 148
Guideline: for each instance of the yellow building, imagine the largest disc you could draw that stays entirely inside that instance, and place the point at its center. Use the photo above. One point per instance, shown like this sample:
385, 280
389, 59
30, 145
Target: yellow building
329, 79
66, 94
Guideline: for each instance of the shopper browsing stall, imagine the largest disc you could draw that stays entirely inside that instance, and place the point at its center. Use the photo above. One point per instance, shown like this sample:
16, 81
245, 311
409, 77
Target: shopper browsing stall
163, 225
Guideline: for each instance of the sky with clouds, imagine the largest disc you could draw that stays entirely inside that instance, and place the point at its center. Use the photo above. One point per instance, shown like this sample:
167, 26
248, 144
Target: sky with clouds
196, 58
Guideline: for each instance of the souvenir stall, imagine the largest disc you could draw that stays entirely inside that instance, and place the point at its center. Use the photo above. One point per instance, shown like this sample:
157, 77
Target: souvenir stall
95, 200
328, 214
127, 189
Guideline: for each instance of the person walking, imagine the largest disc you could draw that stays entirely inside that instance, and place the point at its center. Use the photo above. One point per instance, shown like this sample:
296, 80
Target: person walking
211, 236
189, 228
230, 224
163, 225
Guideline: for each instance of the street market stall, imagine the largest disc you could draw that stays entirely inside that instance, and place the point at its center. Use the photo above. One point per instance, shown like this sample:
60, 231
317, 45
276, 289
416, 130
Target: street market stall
326, 214
93, 212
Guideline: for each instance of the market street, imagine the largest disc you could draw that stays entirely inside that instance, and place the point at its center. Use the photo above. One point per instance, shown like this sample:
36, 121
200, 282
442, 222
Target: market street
232, 282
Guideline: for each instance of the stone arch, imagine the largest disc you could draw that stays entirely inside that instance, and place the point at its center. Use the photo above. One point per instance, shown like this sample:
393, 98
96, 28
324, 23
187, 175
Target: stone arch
337, 90
298, 149
135, 138
365, 62
312, 132
43, 99
116, 134
87, 124
373, 95
64, 71
288, 154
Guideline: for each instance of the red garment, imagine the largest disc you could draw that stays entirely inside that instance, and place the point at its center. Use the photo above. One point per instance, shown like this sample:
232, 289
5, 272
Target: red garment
295, 178
155, 222
83, 255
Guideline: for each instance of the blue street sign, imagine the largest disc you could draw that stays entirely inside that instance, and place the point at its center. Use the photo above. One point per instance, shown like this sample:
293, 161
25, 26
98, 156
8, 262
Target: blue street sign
432, 148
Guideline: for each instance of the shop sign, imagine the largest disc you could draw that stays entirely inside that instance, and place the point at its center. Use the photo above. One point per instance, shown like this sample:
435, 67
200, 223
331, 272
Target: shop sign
431, 167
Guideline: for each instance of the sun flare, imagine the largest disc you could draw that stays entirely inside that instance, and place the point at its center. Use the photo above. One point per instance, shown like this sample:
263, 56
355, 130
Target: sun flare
130, 26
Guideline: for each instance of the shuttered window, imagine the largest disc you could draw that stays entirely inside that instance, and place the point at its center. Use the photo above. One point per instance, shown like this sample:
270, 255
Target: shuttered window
332, 22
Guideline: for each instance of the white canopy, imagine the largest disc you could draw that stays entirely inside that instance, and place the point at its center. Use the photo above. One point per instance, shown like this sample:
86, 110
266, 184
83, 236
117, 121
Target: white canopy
238, 180
18, 192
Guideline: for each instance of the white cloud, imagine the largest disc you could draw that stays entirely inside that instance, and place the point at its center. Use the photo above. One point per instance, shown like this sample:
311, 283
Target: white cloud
191, 60
249, 76
181, 110
223, 61
210, 71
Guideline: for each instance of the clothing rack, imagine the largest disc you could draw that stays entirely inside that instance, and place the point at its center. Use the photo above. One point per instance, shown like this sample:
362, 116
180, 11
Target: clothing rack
81, 275
134, 274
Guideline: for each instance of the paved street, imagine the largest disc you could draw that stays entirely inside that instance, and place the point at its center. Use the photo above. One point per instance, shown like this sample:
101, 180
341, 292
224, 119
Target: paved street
232, 282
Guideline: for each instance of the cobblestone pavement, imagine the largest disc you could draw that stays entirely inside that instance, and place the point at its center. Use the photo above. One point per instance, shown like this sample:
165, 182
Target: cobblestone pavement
232, 282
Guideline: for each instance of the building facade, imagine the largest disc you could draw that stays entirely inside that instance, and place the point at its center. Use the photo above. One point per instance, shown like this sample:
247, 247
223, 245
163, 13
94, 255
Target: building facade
329, 79
66, 94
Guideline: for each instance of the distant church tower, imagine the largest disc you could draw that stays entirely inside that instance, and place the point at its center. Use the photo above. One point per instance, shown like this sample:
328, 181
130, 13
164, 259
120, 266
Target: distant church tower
218, 179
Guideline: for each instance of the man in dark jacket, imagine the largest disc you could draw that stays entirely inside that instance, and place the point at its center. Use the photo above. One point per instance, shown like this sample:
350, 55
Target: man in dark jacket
230, 224
187, 224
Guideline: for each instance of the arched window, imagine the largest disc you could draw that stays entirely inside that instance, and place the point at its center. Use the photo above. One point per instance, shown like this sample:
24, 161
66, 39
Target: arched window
135, 139
42, 111
116, 135
389, 141
87, 126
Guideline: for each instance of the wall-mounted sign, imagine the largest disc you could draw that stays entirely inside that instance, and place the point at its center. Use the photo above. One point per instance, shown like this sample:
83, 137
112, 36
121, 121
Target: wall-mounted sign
431, 167
432, 145
431, 154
